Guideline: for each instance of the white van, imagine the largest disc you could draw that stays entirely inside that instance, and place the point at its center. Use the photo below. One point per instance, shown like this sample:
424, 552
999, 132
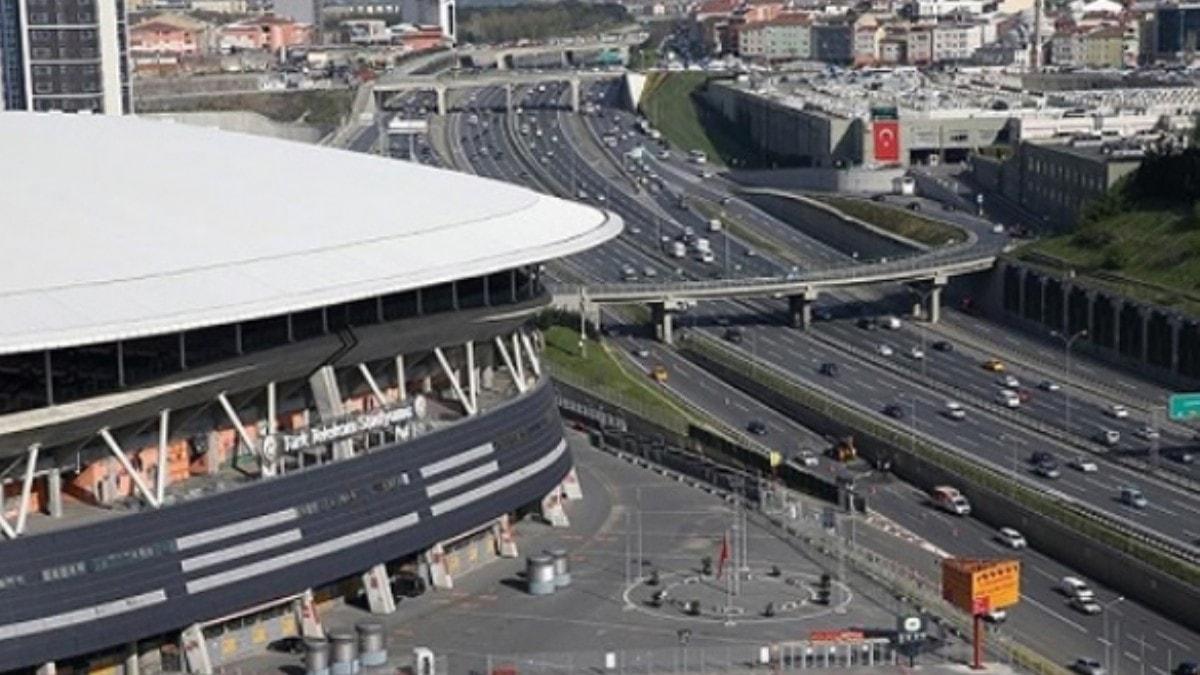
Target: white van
950, 499
1074, 587
714, 224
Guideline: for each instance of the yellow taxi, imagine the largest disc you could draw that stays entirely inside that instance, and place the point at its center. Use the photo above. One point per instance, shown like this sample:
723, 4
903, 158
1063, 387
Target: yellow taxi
994, 365
659, 373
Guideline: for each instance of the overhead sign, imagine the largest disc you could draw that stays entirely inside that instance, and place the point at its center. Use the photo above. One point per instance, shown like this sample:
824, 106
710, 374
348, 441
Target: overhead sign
970, 584
776, 459
330, 432
1184, 406
886, 135
402, 126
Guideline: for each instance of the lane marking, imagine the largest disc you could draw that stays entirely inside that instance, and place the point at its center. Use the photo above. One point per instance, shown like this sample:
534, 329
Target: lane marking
1055, 614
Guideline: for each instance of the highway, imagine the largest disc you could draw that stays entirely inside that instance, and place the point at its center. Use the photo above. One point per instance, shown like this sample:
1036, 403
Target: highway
1044, 621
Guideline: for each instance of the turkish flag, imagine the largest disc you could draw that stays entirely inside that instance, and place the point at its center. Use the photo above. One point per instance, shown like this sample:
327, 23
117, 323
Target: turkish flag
723, 557
887, 141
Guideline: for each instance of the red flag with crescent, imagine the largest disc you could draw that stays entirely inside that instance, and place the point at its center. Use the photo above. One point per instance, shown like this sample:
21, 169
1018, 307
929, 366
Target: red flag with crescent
887, 141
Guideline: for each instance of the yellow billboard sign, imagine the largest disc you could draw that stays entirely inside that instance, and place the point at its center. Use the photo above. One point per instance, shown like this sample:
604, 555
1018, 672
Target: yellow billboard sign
971, 584
776, 459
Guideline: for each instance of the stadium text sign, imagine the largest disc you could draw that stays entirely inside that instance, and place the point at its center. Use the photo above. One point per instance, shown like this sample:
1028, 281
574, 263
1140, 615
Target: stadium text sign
342, 429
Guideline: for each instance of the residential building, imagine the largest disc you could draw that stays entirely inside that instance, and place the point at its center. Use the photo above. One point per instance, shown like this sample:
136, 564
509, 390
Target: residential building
1066, 48
760, 10
304, 11
1104, 48
159, 35
787, 37
866, 44
956, 41
933, 9
893, 49
64, 55
833, 42
920, 45
221, 6
266, 33
1177, 30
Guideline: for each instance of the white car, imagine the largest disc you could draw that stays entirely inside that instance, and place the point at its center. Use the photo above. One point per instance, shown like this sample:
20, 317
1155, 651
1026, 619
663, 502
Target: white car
1011, 538
1117, 410
1008, 398
1081, 463
1086, 606
1008, 381
806, 458
997, 229
916, 353
1074, 587
884, 350
1146, 432
955, 410
1049, 385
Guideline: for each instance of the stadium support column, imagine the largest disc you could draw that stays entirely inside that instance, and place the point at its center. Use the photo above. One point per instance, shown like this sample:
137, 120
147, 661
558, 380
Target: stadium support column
529, 352
133, 660
266, 467
441, 93
54, 503
401, 380
330, 406
305, 608
452, 376
800, 308
434, 560
31, 458
48, 668
506, 545
160, 468
472, 375
508, 363
378, 588
195, 650
134, 475
508, 97
372, 385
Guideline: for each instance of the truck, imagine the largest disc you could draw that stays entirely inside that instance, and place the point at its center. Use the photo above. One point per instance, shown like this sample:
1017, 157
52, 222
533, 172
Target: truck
951, 500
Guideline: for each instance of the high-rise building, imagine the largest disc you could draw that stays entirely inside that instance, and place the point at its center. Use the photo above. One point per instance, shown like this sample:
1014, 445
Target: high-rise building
68, 55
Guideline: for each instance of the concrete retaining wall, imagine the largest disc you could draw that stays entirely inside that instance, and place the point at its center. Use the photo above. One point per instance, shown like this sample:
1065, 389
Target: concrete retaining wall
828, 227
1125, 574
245, 122
820, 180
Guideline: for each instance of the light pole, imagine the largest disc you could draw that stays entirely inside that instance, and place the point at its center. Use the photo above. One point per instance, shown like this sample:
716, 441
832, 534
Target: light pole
1067, 342
1108, 643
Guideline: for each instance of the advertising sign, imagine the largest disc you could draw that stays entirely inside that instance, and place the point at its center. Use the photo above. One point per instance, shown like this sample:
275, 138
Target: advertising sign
329, 432
886, 135
1184, 406
995, 583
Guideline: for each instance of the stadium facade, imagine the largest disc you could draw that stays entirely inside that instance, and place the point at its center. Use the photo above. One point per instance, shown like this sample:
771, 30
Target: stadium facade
235, 371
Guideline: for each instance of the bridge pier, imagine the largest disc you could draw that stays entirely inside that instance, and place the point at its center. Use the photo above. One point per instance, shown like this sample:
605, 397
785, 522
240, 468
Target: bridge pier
928, 304
574, 94
508, 98
440, 92
663, 319
800, 308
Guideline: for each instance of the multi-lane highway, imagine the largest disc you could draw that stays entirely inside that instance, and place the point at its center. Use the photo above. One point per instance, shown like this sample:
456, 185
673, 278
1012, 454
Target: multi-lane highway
561, 159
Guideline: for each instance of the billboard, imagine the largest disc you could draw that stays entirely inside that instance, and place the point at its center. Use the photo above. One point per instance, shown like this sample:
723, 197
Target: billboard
886, 134
980, 586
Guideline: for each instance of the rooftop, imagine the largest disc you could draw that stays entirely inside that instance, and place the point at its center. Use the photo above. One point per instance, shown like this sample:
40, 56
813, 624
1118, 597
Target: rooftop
123, 227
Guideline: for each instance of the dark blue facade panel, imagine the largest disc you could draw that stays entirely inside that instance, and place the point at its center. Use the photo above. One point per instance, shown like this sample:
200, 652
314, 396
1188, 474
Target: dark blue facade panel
87, 588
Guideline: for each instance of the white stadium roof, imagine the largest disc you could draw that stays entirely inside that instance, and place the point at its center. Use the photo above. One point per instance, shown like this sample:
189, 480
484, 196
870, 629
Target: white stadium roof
120, 227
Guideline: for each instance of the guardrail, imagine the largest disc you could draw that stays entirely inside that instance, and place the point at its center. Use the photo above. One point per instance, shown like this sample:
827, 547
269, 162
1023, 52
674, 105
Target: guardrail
1166, 556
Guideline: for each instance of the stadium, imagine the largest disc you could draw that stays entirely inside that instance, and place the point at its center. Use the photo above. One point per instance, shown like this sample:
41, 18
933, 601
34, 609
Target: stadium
239, 374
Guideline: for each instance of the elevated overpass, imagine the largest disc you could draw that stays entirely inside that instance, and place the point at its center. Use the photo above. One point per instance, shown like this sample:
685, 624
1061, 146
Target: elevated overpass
569, 53
398, 83
930, 272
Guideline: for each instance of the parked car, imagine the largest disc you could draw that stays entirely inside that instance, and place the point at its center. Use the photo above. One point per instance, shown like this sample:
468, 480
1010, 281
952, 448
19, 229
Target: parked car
1011, 538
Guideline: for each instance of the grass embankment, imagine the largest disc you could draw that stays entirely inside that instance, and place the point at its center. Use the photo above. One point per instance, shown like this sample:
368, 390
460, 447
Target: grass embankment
1151, 255
324, 108
898, 221
761, 242
603, 374
670, 103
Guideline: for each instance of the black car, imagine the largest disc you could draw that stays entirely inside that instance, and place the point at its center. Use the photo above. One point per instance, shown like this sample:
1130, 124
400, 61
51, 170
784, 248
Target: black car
878, 198
830, 369
1187, 668
914, 206
757, 427
895, 411
734, 335
408, 585
867, 323
1040, 457
943, 346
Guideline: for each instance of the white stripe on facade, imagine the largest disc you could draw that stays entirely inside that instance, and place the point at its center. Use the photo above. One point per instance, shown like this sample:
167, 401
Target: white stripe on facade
85, 615
458, 501
240, 551
227, 531
461, 458
301, 555
462, 479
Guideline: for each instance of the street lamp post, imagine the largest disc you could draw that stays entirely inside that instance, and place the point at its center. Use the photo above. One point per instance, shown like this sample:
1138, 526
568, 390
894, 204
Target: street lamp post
1067, 343
1108, 643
